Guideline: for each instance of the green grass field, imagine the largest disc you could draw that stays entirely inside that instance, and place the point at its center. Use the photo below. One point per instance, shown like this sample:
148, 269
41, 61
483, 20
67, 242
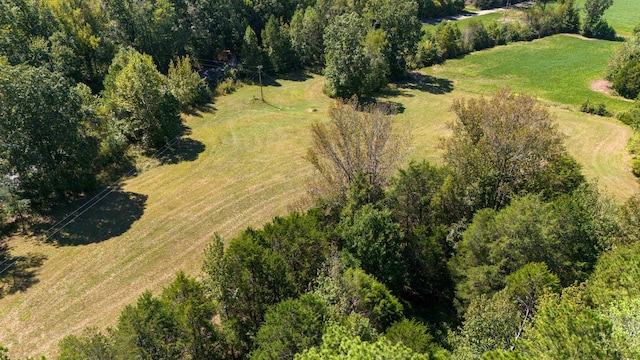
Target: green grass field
462, 23
559, 68
245, 166
622, 15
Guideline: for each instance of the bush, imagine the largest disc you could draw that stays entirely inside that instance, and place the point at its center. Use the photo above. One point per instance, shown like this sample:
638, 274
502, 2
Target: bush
634, 149
475, 37
627, 80
600, 109
635, 166
186, 85
497, 32
631, 117
427, 52
518, 31
448, 41
228, 86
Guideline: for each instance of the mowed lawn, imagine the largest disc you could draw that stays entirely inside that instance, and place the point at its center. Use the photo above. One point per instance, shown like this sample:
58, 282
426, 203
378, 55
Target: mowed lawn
558, 68
249, 168
623, 15
464, 21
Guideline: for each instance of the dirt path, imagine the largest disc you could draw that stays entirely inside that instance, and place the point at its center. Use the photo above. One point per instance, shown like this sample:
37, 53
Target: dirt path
602, 86
578, 36
477, 13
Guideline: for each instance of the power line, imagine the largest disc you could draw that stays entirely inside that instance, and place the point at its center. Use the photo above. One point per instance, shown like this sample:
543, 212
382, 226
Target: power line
93, 201
103, 194
5, 260
10, 265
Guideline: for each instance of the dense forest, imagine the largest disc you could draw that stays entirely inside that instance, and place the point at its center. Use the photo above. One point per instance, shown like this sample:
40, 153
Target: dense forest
502, 251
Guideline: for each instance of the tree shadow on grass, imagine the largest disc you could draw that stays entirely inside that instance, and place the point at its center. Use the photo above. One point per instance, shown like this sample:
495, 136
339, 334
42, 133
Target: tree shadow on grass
107, 214
184, 149
299, 76
272, 79
388, 107
198, 110
20, 273
425, 83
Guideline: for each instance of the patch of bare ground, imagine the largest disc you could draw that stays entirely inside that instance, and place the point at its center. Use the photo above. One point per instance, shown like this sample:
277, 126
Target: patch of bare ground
601, 85
578, 36
604, 86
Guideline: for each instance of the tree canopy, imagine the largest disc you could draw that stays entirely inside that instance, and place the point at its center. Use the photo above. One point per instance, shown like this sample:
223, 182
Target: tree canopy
505, 146
46, 147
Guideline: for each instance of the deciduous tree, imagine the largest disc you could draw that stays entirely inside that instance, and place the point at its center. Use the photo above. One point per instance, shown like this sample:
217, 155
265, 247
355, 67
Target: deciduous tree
500, 148
186, 85
247, 278
307, 28
139, 102
355, 62
565, 328
398, 19
357, 143
377, 242
337, 343
44, 149
291, 327
277, 45
594, 25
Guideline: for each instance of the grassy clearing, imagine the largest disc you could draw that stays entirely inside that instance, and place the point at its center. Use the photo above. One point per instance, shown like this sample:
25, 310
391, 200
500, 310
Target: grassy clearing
462, 23
559, 68
622, 15
250, 170
245, 166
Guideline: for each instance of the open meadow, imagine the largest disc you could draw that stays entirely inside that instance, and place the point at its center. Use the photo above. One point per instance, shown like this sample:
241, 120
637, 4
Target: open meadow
559, 68
622, 15
241, 165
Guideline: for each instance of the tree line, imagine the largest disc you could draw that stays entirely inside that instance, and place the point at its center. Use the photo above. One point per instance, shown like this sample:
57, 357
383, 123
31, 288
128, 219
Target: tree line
502, 252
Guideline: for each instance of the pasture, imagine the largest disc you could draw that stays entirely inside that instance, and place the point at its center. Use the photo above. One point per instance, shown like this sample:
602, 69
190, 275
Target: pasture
622, 15
559, 69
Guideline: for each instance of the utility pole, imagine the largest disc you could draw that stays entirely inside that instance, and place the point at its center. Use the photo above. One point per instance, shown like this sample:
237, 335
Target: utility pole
260, 78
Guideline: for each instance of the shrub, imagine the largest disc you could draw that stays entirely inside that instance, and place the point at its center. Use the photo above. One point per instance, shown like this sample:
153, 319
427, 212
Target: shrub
427, 52
627, 80
497, 32
475, 37
631, 117
448, 41
228, 86
518, 31
600, 109
634, 149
